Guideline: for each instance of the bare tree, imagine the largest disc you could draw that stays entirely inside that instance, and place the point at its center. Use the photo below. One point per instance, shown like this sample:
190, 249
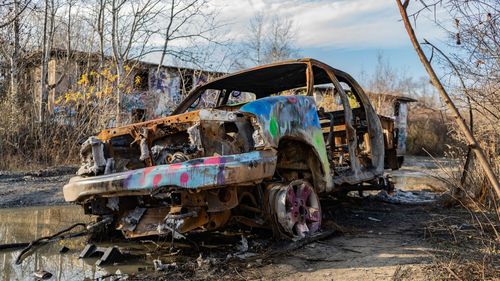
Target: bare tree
280, 40
270, 40
14, 13
471, 139
11, 42
132, 25
36, 34
179, 25
49, 23
256, 39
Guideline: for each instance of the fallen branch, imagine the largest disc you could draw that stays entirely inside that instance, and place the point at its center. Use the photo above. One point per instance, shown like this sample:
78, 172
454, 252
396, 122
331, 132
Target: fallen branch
293, 245
52, 238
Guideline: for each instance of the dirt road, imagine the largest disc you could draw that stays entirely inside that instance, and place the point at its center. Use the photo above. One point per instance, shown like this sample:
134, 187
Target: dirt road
379, 241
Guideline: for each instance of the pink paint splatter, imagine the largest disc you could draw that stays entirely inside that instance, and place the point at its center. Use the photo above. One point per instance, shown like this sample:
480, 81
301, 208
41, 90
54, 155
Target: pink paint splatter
175, 166
184, 178
156, 180
212, 160
292, 99
145, 174
148, 170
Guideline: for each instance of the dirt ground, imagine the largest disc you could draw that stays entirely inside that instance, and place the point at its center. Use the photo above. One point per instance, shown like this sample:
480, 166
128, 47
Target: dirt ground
373, 241
34, 188
368, 239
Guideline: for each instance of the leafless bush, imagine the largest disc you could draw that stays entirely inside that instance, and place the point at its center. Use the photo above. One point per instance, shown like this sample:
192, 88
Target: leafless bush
27, 144
466, 244
474, 79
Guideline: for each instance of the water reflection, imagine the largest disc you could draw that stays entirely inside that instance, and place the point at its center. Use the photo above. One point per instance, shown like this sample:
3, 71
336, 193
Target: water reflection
26, 224
420, 173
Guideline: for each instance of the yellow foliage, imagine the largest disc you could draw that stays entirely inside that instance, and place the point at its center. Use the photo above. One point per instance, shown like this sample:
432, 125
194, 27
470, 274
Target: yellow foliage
84, 79
137, 80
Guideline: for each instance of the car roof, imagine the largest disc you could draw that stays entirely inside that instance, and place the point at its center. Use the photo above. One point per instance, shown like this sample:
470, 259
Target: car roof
269, 79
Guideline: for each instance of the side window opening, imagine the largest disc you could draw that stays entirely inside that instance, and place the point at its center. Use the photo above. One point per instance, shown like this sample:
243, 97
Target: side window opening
332, 113
208, 99
354, 102
237, 97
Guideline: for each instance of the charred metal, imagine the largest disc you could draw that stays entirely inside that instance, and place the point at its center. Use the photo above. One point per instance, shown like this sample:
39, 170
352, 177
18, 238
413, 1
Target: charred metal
263, 163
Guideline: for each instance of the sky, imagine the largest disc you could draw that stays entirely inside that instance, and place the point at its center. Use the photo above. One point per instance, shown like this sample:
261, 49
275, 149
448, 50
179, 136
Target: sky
346, 34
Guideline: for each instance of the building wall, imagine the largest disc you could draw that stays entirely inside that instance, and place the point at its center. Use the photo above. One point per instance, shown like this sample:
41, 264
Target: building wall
162, 92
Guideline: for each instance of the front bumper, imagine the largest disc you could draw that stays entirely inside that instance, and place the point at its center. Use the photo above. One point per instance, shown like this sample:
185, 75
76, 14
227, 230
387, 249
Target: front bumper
207, 172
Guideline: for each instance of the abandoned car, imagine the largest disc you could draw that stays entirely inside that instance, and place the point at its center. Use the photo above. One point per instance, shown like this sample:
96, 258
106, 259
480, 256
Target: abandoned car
307, 131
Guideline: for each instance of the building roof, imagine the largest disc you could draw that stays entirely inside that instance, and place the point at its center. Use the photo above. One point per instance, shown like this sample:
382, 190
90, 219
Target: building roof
35, 57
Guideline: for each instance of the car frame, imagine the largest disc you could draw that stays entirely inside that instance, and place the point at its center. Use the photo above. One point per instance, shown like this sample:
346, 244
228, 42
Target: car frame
263, 163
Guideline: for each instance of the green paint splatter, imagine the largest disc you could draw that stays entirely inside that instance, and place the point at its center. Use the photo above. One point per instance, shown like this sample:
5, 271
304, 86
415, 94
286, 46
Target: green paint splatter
318, 139
319, 143
273, 127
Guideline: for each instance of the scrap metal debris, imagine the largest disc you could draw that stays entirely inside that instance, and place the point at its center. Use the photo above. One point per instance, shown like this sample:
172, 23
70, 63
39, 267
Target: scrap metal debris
112, 255
107, 255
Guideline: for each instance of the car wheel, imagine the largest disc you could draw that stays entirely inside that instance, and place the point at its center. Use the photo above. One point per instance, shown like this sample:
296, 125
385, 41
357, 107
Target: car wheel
295, 209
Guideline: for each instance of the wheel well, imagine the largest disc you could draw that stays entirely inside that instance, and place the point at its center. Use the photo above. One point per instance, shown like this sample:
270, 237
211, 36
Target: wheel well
299, 160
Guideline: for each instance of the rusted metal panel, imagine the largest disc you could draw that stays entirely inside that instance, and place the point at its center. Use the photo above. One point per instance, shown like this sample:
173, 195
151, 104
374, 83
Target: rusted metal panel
199, 173
181, 119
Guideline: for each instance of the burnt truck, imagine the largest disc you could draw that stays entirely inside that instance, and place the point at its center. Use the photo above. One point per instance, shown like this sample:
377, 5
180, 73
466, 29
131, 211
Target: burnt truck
262, 163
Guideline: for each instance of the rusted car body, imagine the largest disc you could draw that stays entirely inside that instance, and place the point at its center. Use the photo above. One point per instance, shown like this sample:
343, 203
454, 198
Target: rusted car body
263, 163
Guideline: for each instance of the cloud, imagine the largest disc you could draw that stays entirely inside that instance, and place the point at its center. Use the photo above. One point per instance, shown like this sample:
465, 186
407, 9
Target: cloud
340, 24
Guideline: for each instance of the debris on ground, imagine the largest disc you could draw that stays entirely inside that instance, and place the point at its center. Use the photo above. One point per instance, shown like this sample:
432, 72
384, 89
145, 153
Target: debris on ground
63, 250
42, 275
205, 263
243, 247
406, 197
159, 266
112, 255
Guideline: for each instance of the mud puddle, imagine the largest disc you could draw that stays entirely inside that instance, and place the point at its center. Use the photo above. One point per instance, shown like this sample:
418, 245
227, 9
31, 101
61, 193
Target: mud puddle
19, 225
26, 224
423, 173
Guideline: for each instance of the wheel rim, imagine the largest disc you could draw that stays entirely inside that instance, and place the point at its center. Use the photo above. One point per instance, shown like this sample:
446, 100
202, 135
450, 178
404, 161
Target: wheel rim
297, 208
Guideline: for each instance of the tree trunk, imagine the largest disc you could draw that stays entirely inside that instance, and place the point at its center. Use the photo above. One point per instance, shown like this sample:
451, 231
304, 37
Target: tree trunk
100, 31
44, 95
14, 60
472, 142
118, 60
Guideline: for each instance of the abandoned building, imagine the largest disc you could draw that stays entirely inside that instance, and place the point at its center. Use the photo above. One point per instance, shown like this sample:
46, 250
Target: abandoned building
398, 108
151, 89
154, 90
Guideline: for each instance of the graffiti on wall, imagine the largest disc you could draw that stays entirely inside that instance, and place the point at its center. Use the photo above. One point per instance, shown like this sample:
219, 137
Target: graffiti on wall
165, 88
401, 125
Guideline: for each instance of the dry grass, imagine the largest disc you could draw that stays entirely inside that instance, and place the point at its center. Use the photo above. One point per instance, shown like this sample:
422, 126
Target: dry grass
25, 144
467, 245
467, 238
